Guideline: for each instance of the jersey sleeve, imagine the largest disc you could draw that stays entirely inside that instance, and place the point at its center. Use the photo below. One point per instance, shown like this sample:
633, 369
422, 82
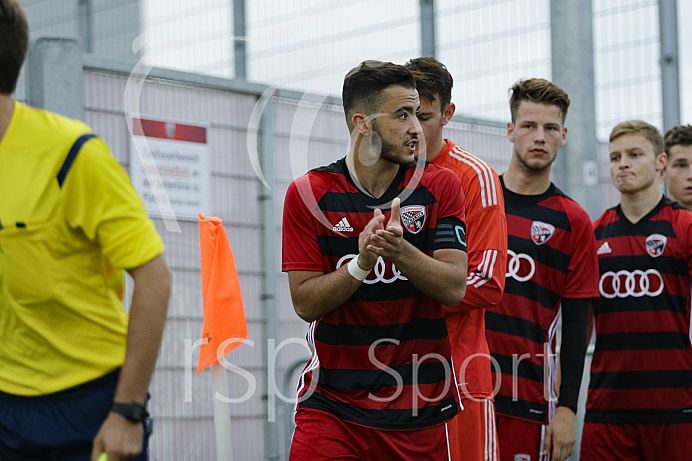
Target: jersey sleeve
582, 273
102, 202
486, 233
486, 227
300, 244
688, 233
451, 216
451, 199
573, 350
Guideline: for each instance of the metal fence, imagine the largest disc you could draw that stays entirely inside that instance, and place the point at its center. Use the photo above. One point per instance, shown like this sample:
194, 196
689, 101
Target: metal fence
308, 131
486, 44
253, 160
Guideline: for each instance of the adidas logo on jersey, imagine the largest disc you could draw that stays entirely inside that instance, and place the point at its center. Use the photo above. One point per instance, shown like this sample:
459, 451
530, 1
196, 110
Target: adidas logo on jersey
604, 250
343, 226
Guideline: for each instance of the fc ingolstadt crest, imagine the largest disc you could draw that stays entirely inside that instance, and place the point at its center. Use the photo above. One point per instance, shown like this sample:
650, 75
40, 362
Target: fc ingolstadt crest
413, 217
655, 244
541, 232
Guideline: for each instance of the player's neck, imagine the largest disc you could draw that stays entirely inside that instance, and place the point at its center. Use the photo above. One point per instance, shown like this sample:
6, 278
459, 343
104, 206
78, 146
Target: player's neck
434, 149
375, 178
636, 205
682, 202
525, 182
6, 110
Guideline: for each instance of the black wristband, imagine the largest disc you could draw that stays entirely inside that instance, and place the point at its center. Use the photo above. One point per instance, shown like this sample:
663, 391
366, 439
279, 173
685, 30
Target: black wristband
135, 412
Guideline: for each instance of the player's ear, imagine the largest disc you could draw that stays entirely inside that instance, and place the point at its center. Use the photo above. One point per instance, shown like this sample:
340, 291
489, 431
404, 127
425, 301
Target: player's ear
661, 161
564, 136
447, 113
510, 131
361, 123
664, 178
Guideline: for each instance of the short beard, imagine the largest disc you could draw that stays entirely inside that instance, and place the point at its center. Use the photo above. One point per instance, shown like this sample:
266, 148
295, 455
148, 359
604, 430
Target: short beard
526, 168
385, 147
385, 153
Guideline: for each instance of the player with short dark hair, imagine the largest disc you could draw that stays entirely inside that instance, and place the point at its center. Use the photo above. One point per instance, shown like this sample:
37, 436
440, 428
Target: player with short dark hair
551, 271
640, 393
472, 432
374, 246
677, 173
14, 43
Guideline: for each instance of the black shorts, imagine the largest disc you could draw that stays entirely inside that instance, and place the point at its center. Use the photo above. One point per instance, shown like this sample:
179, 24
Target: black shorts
59, 426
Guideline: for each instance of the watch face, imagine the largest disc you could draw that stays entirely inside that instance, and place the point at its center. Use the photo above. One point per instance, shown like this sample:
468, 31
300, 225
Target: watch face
138, 413
135, 412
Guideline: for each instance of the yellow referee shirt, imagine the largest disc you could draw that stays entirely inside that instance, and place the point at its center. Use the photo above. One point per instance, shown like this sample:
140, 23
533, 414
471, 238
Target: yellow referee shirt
65, 238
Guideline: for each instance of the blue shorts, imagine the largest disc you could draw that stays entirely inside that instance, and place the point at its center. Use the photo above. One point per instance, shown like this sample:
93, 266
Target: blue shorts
59, 426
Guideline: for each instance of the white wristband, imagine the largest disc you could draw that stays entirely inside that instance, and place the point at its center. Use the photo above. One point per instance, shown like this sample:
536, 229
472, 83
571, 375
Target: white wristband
355, 270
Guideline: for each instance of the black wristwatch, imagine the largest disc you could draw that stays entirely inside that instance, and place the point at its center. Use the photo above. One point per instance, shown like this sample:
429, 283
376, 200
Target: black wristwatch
135, 412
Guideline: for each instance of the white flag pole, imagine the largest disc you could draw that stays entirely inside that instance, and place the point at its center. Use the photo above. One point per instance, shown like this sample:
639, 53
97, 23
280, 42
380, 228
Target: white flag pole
222, 413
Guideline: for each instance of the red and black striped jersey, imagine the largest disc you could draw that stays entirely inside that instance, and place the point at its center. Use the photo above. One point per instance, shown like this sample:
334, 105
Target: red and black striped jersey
642, 365
550, 256
383, 358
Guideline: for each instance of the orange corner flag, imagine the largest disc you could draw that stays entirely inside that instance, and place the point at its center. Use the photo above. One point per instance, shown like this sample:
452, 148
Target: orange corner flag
224, 327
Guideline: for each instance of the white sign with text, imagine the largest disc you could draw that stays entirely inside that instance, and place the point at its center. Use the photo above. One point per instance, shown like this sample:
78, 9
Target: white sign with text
169, 167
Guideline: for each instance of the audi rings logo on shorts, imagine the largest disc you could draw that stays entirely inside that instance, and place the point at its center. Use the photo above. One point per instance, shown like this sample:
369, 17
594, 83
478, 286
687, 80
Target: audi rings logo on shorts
384, 271
520, 267
637, 283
